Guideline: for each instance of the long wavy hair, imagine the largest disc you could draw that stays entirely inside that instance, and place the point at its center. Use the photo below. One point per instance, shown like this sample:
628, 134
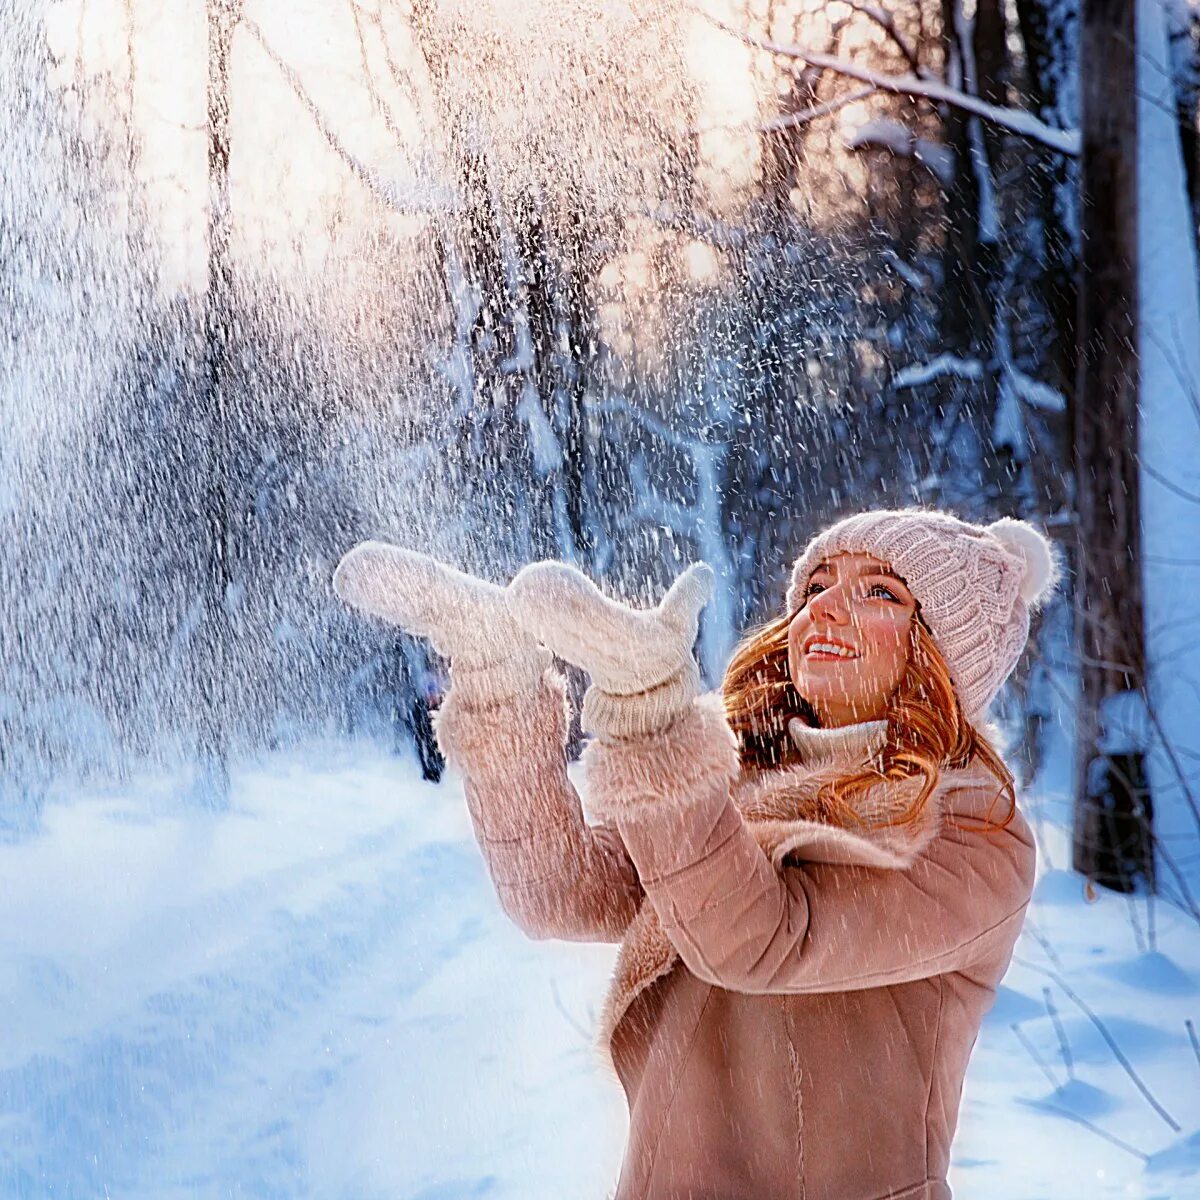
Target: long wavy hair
927, 729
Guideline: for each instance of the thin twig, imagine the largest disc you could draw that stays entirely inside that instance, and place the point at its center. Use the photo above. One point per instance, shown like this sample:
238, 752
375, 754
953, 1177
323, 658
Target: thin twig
792, 120
386, 191
1104, 1033
562, 1008
1170, 485
1037, 1058
1108, 1137
402, 79
1131, 912
1044, 942
1064, 1047
887, 23
1192, 1038
378, 103
1180, 775
1175, 360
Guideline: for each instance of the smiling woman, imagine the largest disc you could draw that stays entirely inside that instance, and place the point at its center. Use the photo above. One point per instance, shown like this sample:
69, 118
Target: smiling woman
849, 645
813, 905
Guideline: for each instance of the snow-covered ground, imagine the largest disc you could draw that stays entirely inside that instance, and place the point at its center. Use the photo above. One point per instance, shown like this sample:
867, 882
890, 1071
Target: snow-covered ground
316, 995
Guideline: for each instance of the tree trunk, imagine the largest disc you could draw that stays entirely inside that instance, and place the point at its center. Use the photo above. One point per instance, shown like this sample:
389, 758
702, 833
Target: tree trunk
1046, 27
1112, 826
970, 260
964, 309
1168, 454
214, 641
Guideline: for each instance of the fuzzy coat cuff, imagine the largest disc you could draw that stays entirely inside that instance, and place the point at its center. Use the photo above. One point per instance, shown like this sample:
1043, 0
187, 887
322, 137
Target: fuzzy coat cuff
641, 776
495, 740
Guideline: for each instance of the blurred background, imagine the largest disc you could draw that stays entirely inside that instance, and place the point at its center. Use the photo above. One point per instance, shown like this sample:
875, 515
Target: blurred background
623, 283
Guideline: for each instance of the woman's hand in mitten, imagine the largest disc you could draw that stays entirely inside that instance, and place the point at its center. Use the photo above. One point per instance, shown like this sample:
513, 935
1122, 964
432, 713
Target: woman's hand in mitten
465, 618
640, 661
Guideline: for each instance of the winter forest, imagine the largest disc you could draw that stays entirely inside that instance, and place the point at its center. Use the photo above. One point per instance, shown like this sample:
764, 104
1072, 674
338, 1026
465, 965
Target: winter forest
624, 283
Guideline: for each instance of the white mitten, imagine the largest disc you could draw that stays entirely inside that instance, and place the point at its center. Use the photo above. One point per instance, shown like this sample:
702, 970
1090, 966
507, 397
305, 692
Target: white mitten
641, 664
465, 618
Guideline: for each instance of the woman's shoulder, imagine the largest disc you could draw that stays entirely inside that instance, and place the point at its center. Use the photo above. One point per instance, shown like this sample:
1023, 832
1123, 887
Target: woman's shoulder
785, 801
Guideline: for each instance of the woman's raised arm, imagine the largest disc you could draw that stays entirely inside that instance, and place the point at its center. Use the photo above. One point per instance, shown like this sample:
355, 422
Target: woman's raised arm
503, 724
742, 923
555, 876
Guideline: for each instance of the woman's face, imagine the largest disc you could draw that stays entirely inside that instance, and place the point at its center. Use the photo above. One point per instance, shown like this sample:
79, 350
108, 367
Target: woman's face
849, 643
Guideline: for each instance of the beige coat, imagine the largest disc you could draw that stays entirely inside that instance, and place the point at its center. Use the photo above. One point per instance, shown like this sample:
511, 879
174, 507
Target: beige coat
793, 1004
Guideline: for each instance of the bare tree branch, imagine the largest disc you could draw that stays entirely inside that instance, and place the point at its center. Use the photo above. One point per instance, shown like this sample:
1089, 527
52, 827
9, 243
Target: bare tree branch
1108, 1137
378, 102
887, 23
396, 198
1171, 486
1031, 1050
1064, 1046
1118, 1054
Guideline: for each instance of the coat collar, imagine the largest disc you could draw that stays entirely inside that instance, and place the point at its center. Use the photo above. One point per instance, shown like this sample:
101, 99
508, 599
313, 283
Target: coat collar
845, 745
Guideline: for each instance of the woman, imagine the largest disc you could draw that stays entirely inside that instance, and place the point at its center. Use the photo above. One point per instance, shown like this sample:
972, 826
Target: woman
816, 877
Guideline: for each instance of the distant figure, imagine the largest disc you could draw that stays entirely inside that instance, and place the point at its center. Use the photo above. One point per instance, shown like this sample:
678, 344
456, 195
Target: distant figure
817, 874
425, 701
414, 691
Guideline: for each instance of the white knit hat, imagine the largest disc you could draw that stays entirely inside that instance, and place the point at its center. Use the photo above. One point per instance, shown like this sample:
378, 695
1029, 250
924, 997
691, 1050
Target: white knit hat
975, 584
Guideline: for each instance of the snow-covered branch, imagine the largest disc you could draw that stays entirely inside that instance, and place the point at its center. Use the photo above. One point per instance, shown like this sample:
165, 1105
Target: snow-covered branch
1035, 393
1016, 388
650, 423
651, 504
792, 120
907, 272
886, 133
919, 374
1015, 120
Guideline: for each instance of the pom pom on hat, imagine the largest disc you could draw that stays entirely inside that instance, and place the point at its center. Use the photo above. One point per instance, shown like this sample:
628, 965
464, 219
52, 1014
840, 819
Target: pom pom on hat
1032, 548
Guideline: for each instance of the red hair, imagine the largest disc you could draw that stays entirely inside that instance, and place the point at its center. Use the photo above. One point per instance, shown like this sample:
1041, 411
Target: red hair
926, 727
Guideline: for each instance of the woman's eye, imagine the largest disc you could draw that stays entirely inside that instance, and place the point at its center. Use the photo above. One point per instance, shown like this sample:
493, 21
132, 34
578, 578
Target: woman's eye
876, 589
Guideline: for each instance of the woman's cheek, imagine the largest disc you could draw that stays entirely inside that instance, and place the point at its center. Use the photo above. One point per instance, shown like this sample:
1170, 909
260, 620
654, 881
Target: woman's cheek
899, 659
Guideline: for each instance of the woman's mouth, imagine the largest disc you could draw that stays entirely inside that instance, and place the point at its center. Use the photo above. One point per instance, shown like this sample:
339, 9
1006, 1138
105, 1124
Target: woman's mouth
825, 648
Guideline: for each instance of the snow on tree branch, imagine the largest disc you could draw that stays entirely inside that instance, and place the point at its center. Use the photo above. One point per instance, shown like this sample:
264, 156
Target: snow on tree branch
919, 374
888, 134
1035, 393
1024, 124
649, 422
906, 271
792, 120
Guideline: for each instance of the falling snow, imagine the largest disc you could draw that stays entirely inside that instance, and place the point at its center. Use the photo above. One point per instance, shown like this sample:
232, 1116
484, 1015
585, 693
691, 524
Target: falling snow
623, 284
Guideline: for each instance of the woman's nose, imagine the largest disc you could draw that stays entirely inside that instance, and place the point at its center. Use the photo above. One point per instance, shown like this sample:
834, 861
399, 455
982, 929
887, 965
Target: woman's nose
830, 605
